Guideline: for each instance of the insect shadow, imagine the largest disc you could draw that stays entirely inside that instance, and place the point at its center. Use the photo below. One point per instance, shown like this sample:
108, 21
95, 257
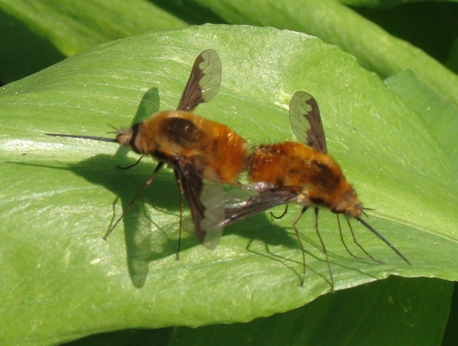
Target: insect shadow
262, 229
139, 226
105, 170
146, 239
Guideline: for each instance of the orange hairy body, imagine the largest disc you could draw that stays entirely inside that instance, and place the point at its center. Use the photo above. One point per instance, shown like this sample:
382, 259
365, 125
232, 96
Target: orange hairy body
319, 176
197, 149
205, 143
304, 173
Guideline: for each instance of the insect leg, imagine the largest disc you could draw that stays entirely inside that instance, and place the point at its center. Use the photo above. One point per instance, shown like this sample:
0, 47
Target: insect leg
324, 249
304, 209
282, 214
132, 165
148, 182
359, 245
343, 241
180, 187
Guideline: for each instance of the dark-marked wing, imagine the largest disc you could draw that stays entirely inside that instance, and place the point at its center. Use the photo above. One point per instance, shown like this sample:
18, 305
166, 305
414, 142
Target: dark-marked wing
182, 132
204, 81
206, 202
306, 121
249, 200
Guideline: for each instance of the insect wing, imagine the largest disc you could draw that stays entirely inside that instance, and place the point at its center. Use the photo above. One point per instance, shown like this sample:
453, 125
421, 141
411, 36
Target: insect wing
204, 81
206, 202
212, 224
306, 121
249, 200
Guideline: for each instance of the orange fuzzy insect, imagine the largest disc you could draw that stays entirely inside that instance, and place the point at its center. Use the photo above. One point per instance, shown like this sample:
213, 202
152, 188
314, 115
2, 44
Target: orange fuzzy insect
294, 172
196, 148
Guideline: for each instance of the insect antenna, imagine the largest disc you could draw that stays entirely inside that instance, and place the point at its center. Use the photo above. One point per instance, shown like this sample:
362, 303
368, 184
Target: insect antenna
114, 127
370, 228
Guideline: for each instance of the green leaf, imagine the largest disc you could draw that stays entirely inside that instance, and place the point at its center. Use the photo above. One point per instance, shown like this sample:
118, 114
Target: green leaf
16, 44
337, 24
440, 116
385, 3
51, 30
62, 281
74, 26
361, 316
420, 24
452, 58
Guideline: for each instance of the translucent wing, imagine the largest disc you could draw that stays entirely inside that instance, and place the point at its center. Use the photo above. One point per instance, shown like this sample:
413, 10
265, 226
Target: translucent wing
306, 121
204, 81
212, 224
206, 202
249, 200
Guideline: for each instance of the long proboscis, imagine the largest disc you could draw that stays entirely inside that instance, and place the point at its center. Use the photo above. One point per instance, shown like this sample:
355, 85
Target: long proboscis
370, 228
94, 138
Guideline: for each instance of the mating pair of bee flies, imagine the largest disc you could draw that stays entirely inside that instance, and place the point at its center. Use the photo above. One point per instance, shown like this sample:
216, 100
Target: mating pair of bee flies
205, 154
